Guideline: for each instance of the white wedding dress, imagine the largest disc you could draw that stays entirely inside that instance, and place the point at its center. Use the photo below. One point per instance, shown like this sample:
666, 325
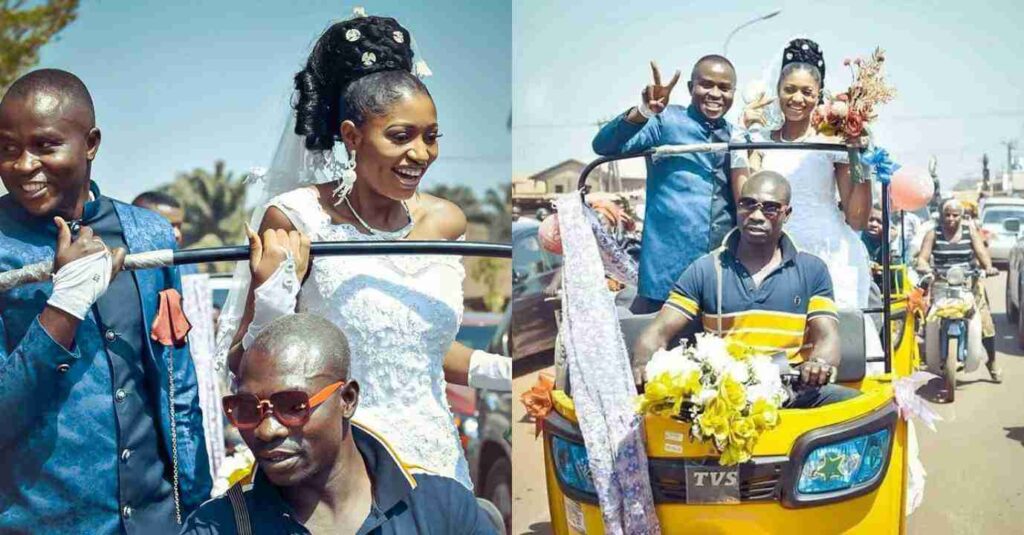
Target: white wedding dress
400, 315
817, 226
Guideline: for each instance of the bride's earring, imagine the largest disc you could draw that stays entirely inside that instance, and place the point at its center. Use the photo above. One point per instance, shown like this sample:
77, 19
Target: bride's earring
343, 170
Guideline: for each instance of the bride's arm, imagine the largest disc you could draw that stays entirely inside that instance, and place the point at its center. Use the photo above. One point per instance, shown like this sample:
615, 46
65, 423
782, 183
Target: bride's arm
456, 364
855, 198
478, 369
265, 263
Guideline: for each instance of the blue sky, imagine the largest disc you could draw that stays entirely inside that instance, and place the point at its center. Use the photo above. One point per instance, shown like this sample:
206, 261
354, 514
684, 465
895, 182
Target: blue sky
956, 67
178, 85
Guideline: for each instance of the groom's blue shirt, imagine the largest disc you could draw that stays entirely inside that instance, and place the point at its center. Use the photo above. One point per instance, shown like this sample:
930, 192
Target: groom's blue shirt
86, 439
690, 206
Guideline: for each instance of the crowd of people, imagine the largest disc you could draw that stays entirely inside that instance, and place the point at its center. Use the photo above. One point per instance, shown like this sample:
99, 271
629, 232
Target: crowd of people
339, 365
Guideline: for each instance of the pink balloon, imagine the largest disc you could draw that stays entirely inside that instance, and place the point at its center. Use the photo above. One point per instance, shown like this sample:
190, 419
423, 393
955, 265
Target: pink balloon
911, 189
550, 235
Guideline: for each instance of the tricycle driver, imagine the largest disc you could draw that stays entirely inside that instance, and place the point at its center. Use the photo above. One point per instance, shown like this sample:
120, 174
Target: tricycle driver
760, 290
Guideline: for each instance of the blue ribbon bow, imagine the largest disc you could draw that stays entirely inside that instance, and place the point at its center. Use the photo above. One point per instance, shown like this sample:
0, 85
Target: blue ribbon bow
880, 162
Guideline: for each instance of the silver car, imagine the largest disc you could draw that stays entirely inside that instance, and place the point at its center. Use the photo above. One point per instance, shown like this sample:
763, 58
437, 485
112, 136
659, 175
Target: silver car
994, 211
1015, 278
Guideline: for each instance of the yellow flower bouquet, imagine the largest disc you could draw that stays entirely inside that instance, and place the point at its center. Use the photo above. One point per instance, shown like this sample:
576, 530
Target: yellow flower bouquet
728, 394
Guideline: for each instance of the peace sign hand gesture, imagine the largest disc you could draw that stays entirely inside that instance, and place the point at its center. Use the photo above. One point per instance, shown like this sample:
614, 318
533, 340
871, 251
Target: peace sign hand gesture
754, 112
656, 95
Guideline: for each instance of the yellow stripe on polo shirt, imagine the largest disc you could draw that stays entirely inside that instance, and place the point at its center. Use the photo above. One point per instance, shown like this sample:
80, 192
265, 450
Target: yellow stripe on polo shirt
781, 340
765, 331
820, 304
683, 304
759, 319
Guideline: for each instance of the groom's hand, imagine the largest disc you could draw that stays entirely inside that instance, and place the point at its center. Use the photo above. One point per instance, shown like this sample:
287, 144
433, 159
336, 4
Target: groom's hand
655, 96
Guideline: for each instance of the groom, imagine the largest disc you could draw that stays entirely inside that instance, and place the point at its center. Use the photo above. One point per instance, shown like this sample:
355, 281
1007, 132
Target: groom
690, 203
92, 439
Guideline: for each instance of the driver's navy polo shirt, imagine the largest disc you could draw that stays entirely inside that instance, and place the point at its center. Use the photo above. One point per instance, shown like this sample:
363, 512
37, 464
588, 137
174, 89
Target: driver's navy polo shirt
403, 502
771, 317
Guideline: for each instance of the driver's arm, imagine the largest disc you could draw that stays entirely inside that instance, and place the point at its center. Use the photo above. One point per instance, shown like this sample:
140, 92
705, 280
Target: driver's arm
822, 330
682, 307
925, 254
823, 336
667, 324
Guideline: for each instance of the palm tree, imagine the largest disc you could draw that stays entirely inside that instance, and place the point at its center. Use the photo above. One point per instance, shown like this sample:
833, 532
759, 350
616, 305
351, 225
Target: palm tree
214, 205
499, 210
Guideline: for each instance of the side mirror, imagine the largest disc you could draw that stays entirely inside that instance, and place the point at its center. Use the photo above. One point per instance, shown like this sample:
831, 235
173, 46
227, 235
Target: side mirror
1012, 225
517, 277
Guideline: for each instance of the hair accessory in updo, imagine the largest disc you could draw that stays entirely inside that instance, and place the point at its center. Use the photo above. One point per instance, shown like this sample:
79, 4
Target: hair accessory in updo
347, 53
370, 44
805, 51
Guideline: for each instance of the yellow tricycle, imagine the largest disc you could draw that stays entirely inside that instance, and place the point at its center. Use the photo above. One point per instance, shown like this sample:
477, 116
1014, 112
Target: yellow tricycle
838, 468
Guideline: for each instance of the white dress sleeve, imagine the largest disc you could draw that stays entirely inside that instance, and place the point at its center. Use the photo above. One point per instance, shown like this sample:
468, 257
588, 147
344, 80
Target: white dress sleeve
739, 158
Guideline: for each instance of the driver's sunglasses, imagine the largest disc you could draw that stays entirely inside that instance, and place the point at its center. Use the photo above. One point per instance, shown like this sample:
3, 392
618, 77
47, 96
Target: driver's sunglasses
770, 209
291, 407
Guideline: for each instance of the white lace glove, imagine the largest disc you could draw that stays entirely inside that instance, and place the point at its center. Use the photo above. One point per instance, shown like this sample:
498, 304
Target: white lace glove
490, 371
77, 285
274, 298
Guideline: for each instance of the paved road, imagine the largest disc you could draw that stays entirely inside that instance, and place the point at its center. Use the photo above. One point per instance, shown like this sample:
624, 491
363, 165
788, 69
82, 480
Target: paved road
975, 462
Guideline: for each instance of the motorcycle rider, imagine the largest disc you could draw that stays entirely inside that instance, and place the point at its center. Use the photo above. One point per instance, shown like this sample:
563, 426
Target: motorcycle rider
955, 242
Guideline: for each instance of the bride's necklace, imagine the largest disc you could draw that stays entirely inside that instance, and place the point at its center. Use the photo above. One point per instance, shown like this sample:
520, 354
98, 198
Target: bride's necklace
402, 232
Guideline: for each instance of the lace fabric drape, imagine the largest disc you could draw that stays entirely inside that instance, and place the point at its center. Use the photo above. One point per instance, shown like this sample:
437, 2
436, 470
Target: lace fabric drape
603, 389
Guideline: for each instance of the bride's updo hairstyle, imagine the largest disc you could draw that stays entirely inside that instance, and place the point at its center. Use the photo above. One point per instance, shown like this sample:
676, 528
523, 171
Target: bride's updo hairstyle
804, 55
358, 67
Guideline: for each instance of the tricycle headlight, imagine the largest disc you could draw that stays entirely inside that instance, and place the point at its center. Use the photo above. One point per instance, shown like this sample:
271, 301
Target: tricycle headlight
844, 464
841, 461
572, 464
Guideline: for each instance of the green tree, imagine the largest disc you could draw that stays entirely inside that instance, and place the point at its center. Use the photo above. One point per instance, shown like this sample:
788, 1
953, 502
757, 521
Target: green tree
214, 205
499, 211
24, 30
488, 272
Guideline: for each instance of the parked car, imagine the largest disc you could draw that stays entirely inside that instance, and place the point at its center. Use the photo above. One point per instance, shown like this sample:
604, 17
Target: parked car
484, 418
1015, 278
535, 286
994, 211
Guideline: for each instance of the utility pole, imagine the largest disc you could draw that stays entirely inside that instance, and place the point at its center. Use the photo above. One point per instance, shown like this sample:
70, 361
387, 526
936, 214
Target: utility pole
985, 184
1011, 146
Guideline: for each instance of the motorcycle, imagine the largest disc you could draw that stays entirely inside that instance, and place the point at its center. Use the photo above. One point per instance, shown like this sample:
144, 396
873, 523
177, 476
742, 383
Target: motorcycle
952, 328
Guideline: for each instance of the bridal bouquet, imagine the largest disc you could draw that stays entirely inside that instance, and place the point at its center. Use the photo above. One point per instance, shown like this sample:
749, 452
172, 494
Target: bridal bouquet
849, 113
728, 394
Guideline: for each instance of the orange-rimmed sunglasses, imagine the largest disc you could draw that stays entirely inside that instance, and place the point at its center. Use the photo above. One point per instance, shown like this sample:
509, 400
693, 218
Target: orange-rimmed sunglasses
291, 407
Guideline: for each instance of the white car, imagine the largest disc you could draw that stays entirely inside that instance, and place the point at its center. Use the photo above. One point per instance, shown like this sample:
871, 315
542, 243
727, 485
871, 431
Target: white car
994, 211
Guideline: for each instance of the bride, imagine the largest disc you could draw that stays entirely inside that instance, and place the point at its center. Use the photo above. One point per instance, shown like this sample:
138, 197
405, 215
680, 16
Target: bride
368, 132
828, 206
